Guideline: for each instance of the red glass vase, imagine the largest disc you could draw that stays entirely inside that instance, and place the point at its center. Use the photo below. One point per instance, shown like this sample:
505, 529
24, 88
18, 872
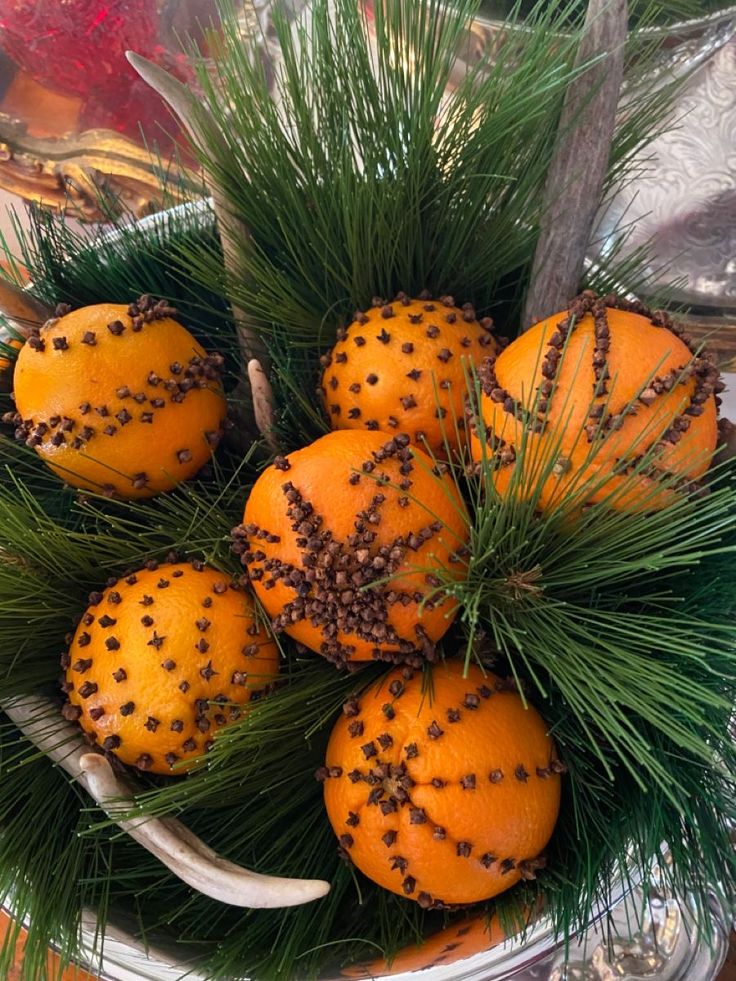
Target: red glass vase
76, 48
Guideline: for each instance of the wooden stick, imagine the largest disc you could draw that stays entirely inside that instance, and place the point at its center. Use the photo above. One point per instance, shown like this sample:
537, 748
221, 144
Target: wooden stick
579, 163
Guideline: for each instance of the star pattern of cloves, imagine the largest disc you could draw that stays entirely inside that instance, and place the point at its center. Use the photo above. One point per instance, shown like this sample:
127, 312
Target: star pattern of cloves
347, 589
697, 377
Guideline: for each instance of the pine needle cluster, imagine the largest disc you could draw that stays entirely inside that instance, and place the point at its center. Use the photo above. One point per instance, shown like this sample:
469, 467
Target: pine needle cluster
368, 179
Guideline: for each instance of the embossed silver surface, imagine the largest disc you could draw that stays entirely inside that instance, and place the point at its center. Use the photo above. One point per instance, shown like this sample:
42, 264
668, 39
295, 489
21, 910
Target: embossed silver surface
685, 205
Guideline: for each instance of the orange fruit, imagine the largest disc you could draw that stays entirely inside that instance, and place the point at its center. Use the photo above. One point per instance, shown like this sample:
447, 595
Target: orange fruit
162, 660
18, 969
6, 363
447, 795
469, 936
588, 393
344, 540
402, 367
119, 399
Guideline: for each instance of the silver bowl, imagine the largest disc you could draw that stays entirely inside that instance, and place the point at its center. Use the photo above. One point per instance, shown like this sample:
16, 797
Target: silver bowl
649, 935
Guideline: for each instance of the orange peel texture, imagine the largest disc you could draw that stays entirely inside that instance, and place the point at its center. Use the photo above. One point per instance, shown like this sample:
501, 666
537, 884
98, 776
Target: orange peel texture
164, 659
590, 392
403, 367
120, 400
446, 796
343, 542
456, 942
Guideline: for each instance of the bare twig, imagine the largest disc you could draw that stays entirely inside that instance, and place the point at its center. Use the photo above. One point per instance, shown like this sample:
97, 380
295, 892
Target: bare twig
169, 840
579, 162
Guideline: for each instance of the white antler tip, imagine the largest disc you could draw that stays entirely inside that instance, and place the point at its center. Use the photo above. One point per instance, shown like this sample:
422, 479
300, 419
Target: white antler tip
263, 401
318, 887
187, 856
133, 58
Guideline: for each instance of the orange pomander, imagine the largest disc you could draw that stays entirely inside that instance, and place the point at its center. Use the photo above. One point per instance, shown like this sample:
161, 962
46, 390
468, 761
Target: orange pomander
119, 399
463, 938
162, 660
403, 367
6, 363
591, 393
343, 541
446, 795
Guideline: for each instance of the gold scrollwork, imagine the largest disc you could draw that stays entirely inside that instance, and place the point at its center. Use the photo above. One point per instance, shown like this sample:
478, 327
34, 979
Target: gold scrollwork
91, 174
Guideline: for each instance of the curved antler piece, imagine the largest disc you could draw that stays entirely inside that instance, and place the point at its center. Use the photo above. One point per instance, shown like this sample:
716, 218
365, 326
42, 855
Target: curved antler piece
173, 844
176, 95
188, 857
263, 402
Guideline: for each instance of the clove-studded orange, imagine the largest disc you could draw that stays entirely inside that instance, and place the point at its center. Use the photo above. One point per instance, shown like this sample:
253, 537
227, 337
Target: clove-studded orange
403, 367
162, 660
119, 399
446, 794
5, 362
463, 938
610, 404
344, 542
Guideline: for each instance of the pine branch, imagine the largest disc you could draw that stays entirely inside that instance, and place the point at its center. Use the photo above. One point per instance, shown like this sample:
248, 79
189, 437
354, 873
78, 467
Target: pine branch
421, 178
